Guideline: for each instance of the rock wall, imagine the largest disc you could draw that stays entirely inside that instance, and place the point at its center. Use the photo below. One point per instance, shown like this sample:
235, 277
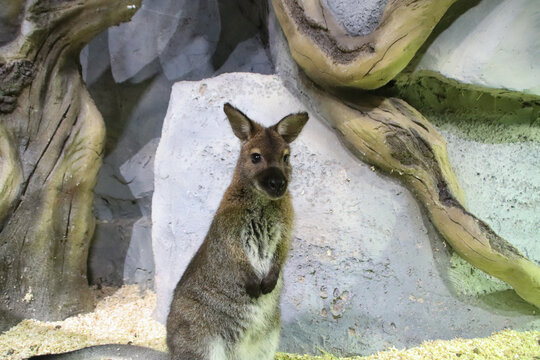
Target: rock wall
366, 269
494, 44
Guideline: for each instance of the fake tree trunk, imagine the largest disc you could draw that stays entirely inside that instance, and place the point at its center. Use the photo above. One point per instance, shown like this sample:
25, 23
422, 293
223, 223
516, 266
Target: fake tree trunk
51, 143
389, 133
331, 56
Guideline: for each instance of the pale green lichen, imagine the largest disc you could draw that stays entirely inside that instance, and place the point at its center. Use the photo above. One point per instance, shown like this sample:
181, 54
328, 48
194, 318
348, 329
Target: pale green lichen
470, 281
477, 113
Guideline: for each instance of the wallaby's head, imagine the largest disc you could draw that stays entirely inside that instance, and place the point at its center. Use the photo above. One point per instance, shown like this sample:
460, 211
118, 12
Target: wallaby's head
264, 157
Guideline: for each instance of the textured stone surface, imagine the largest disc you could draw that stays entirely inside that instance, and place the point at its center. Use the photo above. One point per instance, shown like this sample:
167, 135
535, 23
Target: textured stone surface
122, 250
366, 270
110, 245
138, 172
502, 187
139, 263
359, 17
165, 23
249, 56
493, 44
189, 51
133, 113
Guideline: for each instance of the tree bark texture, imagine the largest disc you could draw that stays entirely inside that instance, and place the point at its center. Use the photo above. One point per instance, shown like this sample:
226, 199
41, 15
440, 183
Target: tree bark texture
332, 57
51, 144
390, 134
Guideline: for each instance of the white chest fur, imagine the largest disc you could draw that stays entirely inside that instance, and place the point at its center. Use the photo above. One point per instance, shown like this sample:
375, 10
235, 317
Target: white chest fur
260, 237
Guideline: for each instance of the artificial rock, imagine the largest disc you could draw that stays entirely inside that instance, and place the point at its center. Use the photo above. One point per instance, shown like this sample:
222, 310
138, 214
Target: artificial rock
493, 44
358, 17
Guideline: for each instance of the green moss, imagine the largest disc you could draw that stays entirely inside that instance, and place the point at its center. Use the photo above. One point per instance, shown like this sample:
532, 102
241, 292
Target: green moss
478, 113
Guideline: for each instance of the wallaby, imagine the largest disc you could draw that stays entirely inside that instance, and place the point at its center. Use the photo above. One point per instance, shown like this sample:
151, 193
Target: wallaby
226, 305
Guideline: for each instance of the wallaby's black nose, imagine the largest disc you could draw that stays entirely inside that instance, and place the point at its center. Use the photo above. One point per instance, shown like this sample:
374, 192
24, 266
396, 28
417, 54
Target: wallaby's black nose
273, 182
276, 183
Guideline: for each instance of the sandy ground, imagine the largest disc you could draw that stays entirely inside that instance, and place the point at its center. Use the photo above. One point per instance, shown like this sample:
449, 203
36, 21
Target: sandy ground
125, 316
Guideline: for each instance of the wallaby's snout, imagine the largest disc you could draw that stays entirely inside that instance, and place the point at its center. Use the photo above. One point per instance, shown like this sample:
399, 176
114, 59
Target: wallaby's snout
273, 181
264, 158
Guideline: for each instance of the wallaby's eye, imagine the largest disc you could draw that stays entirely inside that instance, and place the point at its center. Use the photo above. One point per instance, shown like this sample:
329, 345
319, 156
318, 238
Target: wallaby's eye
255, 158
286, 158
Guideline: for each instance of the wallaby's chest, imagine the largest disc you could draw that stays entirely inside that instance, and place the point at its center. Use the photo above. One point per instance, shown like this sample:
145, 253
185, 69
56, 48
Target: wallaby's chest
260, 237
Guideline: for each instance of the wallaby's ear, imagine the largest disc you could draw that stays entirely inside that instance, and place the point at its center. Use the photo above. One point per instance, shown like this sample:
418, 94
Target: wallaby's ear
241, 125
290, 126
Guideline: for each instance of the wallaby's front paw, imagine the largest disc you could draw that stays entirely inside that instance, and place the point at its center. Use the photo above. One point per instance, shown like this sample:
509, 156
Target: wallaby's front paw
253, 287
269, 282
